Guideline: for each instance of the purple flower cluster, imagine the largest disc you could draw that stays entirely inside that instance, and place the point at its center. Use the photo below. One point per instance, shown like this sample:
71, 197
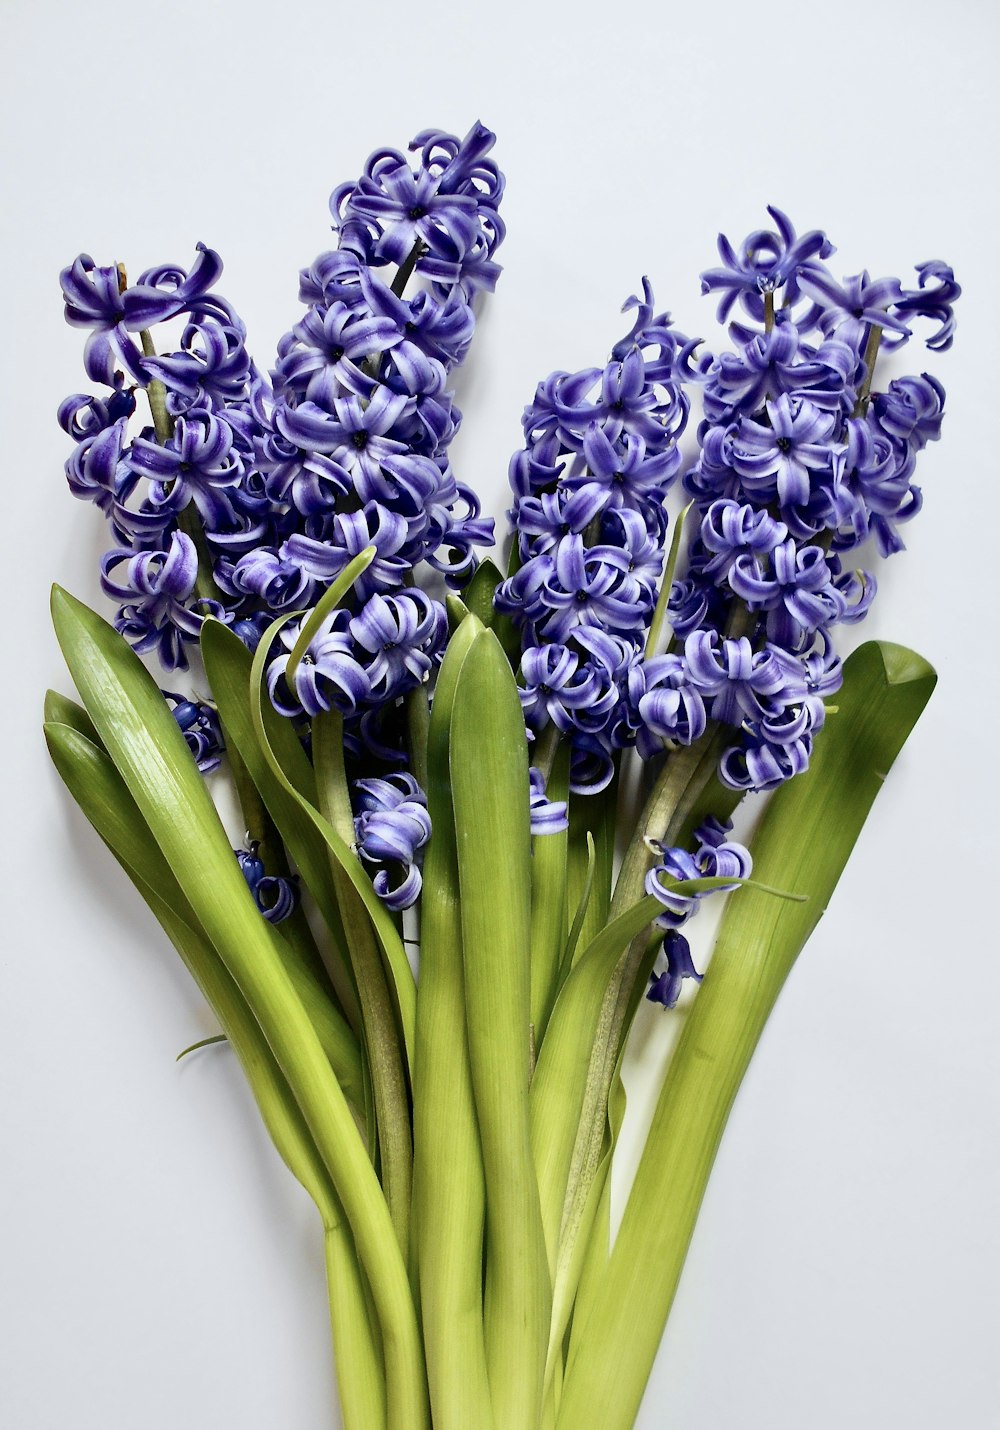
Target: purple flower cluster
600, 455
346, 448
245, 499
800, 461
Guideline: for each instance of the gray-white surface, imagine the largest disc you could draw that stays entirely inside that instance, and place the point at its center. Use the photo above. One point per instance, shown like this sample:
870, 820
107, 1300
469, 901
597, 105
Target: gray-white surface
159, 1265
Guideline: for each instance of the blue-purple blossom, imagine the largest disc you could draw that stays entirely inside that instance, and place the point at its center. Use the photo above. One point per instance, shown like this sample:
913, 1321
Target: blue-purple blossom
199, 724
155, 589
275, 897
766, 261
328, 677
392, 826
715, 857
665, 987
548, 816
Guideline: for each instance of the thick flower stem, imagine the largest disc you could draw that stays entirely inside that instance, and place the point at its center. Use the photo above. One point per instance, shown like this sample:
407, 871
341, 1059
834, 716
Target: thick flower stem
381, 1029
677, 789
357, 1353
489, 776
449, 1194
871, 353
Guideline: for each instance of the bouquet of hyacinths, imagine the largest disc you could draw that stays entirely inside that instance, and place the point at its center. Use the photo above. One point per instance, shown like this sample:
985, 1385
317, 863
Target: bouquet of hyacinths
423, 745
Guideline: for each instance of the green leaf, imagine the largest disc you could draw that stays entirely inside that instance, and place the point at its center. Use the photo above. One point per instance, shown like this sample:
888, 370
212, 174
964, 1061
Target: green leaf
559, 1085
479, 600
398, 968
202, 1043
548, 902
228, 665
92, 779
804, 840
663, 600
99, 790
579, 917
449, 1195
478, 594
153, 758
329, 601
489, 778
60, 710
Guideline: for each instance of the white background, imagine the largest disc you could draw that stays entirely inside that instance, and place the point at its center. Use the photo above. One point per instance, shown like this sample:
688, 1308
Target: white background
160, 1267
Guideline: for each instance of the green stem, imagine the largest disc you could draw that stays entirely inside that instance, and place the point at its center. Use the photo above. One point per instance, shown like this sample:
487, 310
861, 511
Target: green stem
406, 268
548, 904
357, 1353
871, 353
543, 751
156, 395
449, 1193
381, 1030
418, 719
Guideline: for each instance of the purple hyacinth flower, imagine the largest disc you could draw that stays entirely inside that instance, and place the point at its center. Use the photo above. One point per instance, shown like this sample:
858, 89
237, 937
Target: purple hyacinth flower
715, 857
391, 827
275, 897
199, 724
731, 530
665, 987
211, 367
560, 684
766, 260
548, 816
935, 302
850, 308
797, 592
670, 707
780, 459
198, 464
157, 590
324, 353
402, 636
329, 675
741, 683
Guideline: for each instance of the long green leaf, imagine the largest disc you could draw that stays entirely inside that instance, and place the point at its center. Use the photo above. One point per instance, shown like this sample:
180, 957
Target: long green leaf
328, 602
804, 840
403, 983
548, 902
489, 779
91, 777
558, 1086
448, 1183
150, 752
228, 665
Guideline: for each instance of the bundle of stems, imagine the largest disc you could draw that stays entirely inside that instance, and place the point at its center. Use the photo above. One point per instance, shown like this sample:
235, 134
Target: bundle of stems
456, 1128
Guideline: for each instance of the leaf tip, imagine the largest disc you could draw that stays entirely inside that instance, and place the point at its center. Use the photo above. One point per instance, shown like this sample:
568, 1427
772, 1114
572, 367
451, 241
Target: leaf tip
903, 666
